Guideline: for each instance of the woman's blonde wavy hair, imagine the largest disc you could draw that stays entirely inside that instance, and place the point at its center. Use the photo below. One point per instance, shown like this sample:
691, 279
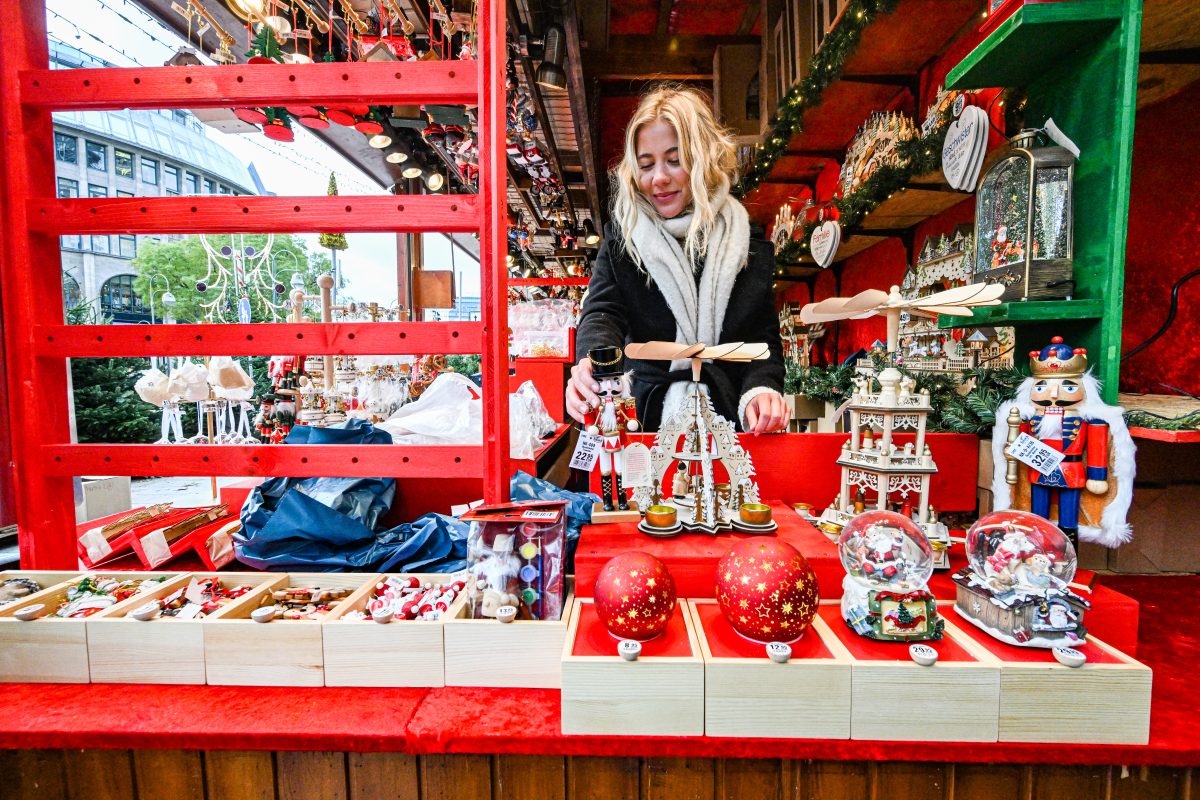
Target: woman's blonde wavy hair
706, 150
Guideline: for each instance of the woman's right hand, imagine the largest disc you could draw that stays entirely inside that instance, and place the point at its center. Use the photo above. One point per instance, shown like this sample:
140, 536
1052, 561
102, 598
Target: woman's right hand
581, 390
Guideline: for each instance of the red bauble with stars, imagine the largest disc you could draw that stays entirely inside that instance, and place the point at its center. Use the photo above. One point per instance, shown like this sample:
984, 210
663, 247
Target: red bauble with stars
767, 590
635, 596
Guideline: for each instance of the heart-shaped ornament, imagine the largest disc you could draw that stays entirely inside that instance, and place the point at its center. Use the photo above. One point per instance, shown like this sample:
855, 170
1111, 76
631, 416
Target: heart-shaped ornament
958, 152
824, 242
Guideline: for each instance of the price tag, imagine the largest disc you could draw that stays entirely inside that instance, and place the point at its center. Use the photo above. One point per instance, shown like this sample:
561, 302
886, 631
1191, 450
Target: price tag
548, 516
587, 450
1032, 453
1069, 657
629, 649
779, 652
960, 103
637, 466
923, 654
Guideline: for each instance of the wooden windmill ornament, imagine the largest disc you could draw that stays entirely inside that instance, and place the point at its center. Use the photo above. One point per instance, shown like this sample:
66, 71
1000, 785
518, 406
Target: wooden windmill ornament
696, 438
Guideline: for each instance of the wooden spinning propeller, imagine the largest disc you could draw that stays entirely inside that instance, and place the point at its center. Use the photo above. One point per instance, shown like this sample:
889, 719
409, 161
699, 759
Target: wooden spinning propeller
697, 353
956, 302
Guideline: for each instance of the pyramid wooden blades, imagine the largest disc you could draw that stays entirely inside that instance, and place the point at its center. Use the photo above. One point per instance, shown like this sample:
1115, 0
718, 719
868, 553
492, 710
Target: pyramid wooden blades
867, 300
736, 351
661, 351
811, 314
954, 311
977, 294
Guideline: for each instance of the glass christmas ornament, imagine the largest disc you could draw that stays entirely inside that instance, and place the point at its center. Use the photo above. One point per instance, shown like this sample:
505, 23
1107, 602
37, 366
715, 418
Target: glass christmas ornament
1023, 221
886, 550
1021, 549
635, 596
767, 590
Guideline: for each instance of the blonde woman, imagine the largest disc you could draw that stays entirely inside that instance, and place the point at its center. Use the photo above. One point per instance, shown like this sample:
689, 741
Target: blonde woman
679, 264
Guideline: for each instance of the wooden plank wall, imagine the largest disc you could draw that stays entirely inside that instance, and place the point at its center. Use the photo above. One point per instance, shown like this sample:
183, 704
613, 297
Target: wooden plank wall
260, 775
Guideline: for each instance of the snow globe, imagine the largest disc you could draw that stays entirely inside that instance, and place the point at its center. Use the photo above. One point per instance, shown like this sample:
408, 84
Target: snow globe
1017, 584
888, 561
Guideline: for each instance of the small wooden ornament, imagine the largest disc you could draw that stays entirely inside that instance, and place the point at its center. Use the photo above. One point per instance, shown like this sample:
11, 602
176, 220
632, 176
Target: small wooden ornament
959, 153
824, 243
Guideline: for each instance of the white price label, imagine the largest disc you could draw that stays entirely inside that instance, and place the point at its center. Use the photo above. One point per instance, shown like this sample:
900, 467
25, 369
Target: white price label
923, 654
637, 466
629, 649
779, 652
1032, 453
549, 516
587, 450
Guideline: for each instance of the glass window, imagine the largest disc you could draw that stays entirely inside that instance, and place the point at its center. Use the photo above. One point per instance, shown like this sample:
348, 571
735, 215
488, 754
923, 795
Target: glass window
123, 193
100, 244
210, 186
70, 242
123, 162
149, 170
180, 116
171, 178
225, 189
193, 183
126, 246
68, 187
97, 156
66, 148
71, 294
117, 295
97, 191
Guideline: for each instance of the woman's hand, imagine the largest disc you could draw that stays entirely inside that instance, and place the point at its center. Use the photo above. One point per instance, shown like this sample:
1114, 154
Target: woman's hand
581, 390
767, 412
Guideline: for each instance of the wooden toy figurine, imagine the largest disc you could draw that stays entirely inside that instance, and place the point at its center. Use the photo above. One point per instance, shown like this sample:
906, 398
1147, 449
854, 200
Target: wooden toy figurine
1058, 413
611, 420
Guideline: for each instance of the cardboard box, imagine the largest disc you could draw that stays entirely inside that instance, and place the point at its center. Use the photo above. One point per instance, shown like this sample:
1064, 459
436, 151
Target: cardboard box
1165, 537
747, 694
54, 649
122, 649
400, 653
659, 694
523, 654
956, 700
241, 652
1106, 701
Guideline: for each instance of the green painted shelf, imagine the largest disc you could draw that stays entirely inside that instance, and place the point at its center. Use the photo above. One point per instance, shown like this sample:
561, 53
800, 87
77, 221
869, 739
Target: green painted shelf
1032, 41
1027, 313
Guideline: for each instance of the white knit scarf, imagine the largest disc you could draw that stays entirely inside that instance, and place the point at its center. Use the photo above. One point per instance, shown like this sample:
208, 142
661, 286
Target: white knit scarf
699, 313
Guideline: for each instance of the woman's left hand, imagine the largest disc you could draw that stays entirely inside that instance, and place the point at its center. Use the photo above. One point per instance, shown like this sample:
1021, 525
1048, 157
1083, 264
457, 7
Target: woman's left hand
767, 412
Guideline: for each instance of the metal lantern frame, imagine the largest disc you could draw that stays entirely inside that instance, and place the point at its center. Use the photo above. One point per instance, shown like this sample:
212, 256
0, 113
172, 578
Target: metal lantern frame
1033, 277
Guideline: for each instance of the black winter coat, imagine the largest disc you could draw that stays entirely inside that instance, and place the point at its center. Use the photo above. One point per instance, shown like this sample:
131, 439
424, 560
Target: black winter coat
622, 306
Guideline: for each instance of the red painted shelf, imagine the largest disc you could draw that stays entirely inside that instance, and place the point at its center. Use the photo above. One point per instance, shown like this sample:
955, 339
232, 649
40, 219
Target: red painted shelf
1175, 437
293, 460
264, 339
403, 83
358, 214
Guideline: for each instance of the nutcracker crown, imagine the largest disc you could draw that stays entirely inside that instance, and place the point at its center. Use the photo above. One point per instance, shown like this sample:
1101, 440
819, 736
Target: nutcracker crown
1057, 360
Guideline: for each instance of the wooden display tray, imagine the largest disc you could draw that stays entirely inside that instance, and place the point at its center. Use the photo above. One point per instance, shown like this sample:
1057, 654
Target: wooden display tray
893, 697
747, 694
659, 694
400, 653
1106, 701
241, 652
523, 654
53, 649
164, 650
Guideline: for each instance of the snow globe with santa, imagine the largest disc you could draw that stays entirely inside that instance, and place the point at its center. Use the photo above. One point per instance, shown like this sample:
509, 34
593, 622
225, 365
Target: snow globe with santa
1017, 585
888, 562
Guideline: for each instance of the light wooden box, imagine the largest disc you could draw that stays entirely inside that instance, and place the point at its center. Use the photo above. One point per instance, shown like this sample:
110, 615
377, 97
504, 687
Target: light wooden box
52, 649
163, 650
241, 652
956, 700
1106, 701
807, 697
523, 654
400, 653
656, 695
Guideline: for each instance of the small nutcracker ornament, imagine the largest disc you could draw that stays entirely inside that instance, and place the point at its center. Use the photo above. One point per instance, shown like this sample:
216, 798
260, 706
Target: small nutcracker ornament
612, 420
888, 561
767, 590
635, 596
1060, 408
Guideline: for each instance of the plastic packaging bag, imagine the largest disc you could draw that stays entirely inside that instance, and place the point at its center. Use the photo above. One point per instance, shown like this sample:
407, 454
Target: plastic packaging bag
228, 379
540, 328
517, 555
153, 387
190, 382
541, 422
524, 486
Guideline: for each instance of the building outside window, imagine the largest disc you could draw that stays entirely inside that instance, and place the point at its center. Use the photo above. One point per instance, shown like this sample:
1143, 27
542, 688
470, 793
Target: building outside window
124, 193
123, 163
100, 245
225, 189
97, 156
68, 187
117, 296
72, 296
193, 183
171, 178
210, 186
66, 148
97, 191
126, 246
149, 170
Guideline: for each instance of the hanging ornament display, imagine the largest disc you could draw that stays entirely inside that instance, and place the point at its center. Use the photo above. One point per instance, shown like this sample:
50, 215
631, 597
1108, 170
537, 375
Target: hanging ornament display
278, 126
767, 590
965, 146
237, 270
1017, 587
888, 563
635, 596
825, 240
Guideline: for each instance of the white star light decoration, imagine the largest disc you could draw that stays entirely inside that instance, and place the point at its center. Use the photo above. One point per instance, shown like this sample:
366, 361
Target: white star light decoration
238, 270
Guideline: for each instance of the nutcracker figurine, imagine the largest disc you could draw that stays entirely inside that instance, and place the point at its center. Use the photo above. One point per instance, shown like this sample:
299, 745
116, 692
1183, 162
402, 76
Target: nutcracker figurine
612, 420
1060, 406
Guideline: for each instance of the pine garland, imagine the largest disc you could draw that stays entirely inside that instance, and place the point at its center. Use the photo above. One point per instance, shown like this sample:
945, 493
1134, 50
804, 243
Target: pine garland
1148, 419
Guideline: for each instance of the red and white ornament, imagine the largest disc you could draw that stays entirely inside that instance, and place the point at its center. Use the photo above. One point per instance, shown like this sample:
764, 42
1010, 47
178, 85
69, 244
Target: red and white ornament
635, 596
767, 590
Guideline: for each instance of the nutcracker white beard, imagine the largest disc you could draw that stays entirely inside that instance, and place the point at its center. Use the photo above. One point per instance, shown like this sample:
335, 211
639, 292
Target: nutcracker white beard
608, 417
